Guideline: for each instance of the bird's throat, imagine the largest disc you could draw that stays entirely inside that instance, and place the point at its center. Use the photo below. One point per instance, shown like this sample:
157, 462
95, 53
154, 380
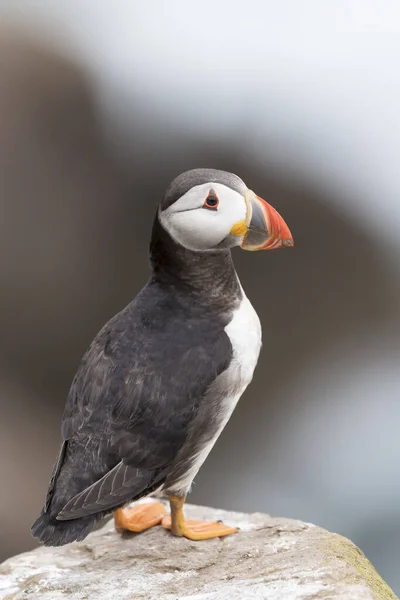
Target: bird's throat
209, 276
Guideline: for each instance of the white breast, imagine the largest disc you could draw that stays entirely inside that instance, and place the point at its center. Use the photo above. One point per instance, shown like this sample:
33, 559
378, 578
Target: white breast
244, 332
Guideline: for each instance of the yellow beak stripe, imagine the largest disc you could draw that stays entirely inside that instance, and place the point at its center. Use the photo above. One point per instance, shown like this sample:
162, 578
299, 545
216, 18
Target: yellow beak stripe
239, 228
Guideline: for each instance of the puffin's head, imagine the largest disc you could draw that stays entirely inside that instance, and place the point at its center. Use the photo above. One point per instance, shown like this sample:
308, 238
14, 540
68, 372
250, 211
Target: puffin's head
206, 209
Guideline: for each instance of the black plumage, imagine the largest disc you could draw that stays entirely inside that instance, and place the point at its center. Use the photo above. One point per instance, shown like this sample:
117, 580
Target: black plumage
139, 409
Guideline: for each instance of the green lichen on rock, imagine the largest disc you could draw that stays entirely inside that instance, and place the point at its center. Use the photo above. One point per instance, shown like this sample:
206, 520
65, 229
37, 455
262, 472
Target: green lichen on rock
343, 549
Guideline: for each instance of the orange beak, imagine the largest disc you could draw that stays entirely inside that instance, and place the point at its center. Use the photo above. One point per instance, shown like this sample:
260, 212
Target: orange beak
266, 229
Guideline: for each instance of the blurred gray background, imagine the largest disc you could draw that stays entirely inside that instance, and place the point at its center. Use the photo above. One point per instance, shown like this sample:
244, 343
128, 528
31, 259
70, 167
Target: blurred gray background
101, 105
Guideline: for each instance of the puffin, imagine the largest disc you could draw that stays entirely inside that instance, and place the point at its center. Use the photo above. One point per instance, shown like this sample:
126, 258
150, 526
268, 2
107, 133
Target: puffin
161, 379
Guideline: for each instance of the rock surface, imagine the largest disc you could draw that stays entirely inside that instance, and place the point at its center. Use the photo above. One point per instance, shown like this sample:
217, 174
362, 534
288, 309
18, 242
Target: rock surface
271, 559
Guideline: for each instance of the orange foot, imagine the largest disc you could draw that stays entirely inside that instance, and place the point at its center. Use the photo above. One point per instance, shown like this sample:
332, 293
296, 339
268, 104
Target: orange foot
140, 517
192, 530
200, 530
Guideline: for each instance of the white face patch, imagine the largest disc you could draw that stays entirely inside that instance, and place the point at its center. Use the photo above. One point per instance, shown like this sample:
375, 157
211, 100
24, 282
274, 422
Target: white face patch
199, 228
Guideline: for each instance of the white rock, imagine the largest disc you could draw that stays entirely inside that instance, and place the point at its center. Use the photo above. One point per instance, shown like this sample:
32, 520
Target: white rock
270, 559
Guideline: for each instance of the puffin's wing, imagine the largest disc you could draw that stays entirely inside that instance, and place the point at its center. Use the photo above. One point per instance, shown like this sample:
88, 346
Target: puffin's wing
136, 392
54, 475
92, 384
119, 485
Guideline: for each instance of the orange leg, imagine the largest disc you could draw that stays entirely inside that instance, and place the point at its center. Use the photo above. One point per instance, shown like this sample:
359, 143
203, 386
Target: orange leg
192, 530
140, 517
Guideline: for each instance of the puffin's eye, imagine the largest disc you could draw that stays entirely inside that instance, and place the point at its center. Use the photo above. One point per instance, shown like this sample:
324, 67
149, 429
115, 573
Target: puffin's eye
211, 201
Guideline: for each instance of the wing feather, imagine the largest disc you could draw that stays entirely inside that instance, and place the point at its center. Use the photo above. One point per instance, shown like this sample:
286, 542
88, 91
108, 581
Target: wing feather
131, 403
116, 487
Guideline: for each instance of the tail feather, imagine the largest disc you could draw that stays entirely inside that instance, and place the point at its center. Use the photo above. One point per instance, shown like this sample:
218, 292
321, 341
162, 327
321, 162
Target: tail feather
52, 532
69, 477
79, 497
